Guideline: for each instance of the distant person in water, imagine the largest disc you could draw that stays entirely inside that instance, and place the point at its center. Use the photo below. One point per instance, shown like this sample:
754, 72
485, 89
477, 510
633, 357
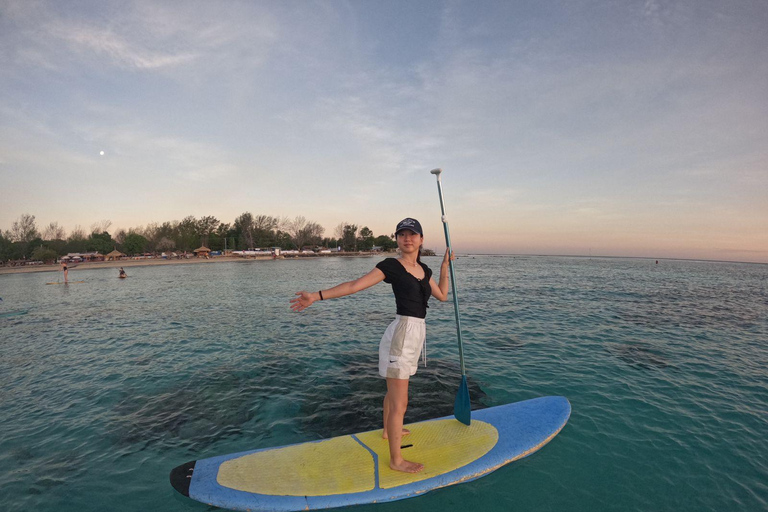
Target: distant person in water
122, 272
64, 269
404, 339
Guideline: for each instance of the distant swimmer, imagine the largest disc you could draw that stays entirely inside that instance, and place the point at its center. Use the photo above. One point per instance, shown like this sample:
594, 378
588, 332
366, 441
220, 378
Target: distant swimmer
66, 272
122, 273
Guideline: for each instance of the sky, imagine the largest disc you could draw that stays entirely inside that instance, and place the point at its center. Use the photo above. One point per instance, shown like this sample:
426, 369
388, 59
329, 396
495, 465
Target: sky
604, 128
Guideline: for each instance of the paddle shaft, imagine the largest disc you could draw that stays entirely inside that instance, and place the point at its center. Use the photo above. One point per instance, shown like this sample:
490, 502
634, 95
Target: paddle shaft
453, 273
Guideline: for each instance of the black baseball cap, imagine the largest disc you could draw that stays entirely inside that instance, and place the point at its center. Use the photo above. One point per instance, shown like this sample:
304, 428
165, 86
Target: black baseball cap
409, 224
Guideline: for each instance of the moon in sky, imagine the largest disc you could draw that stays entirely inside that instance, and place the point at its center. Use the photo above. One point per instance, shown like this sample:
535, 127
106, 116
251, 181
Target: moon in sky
101, 153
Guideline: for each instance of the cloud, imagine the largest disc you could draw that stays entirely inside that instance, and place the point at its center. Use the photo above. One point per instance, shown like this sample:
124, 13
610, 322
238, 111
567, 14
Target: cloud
490, 197
137, 35
120, 50
168, 158
651, 9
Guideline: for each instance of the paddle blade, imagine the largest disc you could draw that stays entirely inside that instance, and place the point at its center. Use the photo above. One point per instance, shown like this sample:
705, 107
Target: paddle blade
461, 407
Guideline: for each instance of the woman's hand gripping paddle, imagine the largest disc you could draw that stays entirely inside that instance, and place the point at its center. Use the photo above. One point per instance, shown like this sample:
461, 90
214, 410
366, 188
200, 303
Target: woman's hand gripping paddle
461, 407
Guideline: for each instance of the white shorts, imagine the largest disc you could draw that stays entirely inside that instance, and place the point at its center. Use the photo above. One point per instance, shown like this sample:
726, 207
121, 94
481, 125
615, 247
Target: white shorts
401, 347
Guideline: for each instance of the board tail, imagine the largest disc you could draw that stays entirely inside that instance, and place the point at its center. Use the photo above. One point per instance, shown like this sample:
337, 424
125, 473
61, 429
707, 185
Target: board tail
181, 477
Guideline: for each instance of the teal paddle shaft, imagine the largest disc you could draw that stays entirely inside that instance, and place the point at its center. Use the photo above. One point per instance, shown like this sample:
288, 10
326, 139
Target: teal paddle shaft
461, 407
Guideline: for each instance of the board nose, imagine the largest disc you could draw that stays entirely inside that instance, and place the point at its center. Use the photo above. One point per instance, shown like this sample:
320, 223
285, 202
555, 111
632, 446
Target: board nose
181, 477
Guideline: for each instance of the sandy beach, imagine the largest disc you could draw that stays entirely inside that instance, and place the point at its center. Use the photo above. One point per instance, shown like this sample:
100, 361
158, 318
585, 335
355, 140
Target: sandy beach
127, 263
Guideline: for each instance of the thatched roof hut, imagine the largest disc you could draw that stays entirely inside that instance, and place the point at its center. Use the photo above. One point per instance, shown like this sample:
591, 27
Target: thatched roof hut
114, 255
202, 251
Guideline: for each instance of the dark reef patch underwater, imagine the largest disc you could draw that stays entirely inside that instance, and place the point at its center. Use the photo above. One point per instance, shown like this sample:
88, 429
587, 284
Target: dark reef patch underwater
345, 398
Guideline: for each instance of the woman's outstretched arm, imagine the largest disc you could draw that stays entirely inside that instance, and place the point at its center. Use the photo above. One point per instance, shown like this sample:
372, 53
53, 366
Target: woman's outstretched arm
305, 299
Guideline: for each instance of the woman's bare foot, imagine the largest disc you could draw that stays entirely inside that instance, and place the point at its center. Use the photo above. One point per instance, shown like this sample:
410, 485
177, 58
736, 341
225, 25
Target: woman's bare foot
405, 433
406, 466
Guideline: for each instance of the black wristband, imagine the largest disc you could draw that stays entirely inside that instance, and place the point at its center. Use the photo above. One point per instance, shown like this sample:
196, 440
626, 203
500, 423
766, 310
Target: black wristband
321, 294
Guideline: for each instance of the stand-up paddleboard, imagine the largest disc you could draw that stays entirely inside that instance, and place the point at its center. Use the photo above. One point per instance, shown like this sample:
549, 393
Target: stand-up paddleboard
354, 469
67, 282
14, 313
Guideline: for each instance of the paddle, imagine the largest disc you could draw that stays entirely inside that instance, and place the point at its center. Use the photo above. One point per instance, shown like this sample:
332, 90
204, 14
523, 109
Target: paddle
461, 407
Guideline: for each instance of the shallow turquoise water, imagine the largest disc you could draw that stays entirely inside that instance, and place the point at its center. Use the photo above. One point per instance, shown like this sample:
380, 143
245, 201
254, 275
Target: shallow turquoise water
108, 384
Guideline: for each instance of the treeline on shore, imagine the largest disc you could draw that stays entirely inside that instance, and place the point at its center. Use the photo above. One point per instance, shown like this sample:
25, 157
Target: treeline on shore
24, 241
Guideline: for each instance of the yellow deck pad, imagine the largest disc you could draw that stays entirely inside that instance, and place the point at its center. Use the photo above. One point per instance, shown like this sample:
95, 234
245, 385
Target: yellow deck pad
333, 466
442, 446
343, 466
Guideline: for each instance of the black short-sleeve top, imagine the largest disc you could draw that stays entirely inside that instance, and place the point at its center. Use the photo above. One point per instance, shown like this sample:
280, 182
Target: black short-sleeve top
411, 294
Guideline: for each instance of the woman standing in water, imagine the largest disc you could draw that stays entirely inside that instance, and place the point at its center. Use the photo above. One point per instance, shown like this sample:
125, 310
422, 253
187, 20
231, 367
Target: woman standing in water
404, 339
